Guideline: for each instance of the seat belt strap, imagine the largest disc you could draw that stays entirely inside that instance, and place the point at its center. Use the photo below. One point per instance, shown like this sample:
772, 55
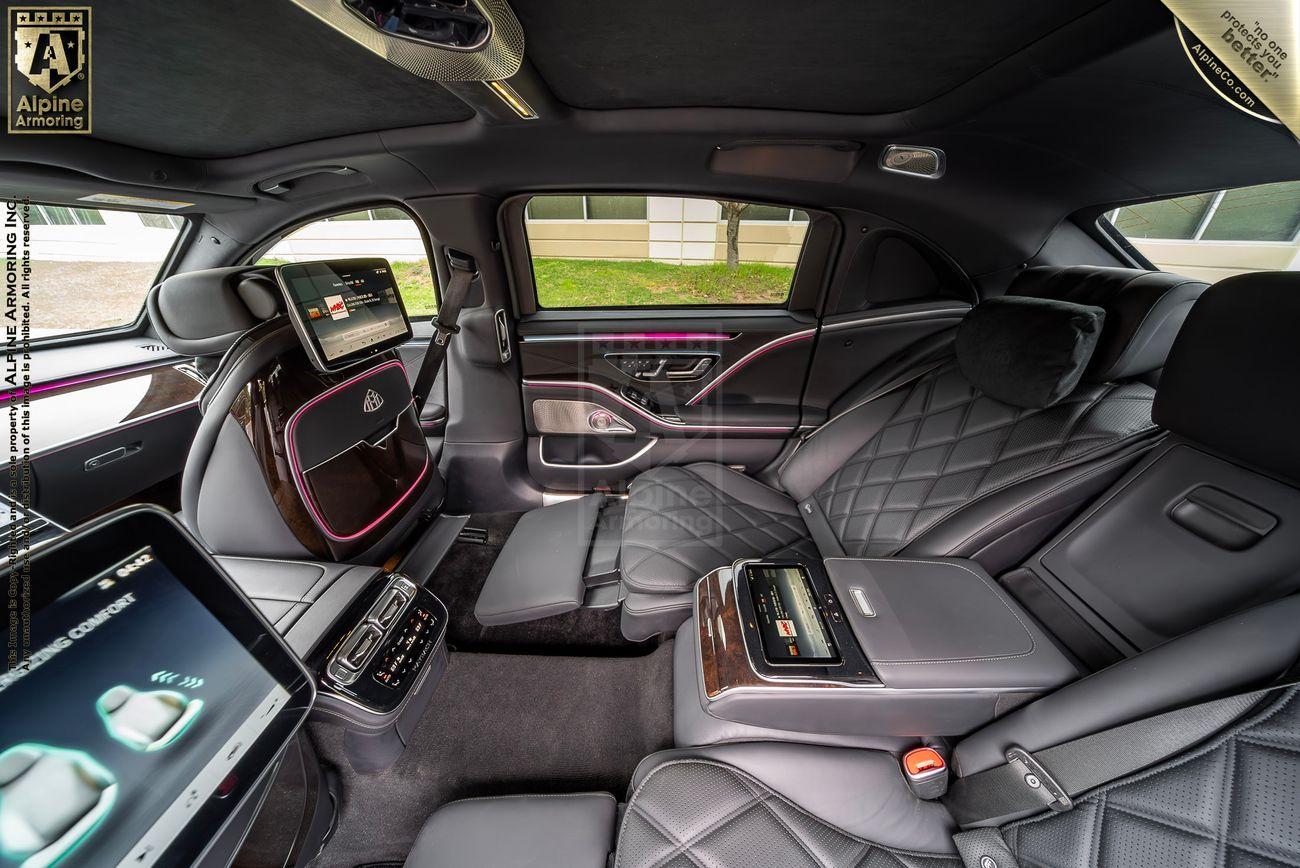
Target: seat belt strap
463, 271
1050, 778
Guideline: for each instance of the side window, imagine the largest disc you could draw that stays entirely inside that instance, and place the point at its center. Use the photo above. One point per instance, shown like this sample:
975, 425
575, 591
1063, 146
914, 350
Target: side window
1216, 235
386, 232
92, 267
656, 251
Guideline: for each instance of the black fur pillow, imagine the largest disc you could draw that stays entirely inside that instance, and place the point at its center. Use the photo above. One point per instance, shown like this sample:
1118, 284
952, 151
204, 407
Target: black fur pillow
1030, 352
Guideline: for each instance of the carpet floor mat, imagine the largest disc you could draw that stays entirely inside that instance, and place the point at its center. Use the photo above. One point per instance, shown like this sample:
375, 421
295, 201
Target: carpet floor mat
505, 723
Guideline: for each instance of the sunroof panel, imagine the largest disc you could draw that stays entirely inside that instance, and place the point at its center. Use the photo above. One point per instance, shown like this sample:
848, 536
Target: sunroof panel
849, 56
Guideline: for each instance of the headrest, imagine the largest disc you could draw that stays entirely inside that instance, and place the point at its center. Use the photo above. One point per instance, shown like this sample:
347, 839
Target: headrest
1030, 352
202, 313
1144, 310
1230, 381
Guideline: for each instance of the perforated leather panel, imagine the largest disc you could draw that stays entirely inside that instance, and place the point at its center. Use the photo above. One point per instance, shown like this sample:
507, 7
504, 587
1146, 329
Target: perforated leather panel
694, 812
948, 445
679, 526
1232, 802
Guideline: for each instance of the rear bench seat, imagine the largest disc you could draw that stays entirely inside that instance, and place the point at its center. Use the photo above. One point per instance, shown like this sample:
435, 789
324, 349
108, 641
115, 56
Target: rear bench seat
980, 452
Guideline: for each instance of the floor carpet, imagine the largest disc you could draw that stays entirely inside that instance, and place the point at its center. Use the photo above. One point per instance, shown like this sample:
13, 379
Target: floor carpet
505, 723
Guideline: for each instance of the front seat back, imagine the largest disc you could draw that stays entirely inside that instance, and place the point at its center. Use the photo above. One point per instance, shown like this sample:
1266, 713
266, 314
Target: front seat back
287, 462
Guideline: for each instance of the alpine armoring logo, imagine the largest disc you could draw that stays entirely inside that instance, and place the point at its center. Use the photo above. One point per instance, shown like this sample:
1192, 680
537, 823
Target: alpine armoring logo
49, 77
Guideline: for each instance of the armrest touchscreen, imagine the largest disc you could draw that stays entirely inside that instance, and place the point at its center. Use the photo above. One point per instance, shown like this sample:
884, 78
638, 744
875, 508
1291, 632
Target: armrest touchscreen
789, 619
146, 699
344, 310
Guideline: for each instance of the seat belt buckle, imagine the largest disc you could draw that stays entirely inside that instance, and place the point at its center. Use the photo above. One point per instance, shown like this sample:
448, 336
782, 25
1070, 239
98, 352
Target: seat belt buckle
1038, 779
926, 773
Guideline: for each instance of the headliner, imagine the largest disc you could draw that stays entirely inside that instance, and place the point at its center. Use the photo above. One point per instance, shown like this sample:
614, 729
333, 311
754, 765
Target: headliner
854, 57
1044, 108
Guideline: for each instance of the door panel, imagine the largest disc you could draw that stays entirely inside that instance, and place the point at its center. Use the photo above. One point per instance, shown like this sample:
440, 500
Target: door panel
851, 346
101, 435
607, 398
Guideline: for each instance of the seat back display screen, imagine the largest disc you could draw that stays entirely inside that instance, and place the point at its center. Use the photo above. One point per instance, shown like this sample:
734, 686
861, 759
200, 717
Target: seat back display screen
124, 720
789, 619
345, 310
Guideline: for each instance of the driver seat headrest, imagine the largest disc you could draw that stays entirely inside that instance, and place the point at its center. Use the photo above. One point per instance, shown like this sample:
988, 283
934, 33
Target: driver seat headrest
203, 313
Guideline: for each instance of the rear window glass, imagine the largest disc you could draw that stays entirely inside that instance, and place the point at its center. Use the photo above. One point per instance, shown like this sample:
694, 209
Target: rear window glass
1216, 235
386, 232
661, 251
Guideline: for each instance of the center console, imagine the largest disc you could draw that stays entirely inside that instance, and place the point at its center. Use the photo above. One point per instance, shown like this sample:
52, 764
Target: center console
866, 646
377, 677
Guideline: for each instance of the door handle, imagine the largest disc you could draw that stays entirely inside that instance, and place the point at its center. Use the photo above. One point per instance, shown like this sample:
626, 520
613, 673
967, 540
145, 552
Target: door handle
106, 458
663, 366
690, 371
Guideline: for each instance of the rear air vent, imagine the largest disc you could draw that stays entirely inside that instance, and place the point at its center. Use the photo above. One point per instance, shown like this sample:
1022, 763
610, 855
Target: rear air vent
913, 160
473, 535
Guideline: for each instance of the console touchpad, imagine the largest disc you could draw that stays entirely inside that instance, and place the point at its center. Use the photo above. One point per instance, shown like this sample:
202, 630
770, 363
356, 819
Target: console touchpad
789, 620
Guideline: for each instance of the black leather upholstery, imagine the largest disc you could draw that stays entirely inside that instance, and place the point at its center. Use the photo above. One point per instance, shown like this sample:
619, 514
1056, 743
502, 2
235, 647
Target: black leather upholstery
947, 446
930, 466
682, 522
779, 804
550, 544
917, 460
202, 313
1227, 801
574, 830
1144, 311
1230, 381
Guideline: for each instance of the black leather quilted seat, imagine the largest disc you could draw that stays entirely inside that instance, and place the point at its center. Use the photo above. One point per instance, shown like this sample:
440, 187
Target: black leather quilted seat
929, 462
1222, 795
980, 445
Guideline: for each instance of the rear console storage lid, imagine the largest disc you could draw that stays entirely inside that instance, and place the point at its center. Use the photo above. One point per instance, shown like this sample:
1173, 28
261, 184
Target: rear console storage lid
943, 623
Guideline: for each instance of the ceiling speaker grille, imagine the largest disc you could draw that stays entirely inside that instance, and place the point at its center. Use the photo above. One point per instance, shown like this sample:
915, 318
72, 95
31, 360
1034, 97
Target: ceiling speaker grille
913, 160
498, 59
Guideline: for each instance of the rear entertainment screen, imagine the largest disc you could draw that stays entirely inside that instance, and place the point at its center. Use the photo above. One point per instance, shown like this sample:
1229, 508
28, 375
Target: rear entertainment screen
127, 721
345, 310
789, 620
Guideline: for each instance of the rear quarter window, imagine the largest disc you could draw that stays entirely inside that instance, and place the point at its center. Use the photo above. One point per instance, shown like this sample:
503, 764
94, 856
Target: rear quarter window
1215, 235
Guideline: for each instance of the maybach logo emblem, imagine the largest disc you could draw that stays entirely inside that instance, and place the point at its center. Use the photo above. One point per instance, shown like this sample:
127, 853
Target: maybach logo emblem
373, 401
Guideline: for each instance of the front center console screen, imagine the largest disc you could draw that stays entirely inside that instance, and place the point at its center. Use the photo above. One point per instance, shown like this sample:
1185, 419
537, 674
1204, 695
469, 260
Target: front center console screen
142, 700
790, 622
345, 310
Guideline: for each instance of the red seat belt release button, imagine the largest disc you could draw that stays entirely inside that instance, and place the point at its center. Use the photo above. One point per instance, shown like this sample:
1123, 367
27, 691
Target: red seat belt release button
926, 772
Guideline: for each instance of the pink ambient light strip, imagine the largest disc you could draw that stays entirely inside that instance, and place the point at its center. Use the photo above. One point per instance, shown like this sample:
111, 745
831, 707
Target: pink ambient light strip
628, 337
763, 350
300, 480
